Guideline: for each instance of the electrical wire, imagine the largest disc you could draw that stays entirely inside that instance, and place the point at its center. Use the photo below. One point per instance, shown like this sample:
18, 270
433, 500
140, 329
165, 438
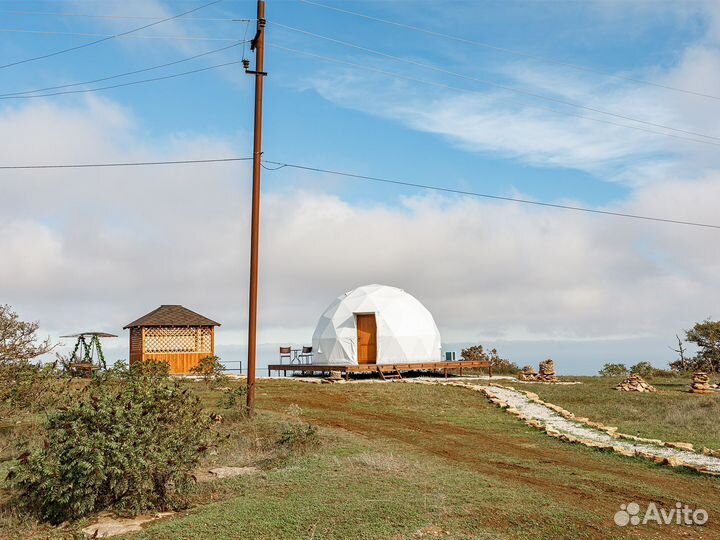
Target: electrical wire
513, 51
123, 164
121, 17
107, 38
469, 90
121, 85
490, 83
280, 164
127, 73
110, 36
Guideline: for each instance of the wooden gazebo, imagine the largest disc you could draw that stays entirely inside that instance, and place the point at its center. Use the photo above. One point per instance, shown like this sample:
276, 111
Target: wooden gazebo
173, 334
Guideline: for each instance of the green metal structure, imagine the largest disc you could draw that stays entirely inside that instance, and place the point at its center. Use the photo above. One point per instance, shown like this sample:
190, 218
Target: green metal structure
87, 356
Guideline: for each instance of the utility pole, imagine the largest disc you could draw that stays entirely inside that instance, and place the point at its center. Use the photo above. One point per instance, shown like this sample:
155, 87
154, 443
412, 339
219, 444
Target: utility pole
258, 45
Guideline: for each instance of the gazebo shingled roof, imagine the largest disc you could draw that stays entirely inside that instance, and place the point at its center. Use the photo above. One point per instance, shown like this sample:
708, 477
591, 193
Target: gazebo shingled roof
172, 315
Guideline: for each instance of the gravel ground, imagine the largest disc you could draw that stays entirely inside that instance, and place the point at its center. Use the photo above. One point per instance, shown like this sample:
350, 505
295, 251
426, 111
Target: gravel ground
553, 420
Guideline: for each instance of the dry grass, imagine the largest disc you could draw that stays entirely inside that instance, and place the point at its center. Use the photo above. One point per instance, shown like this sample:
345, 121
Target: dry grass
378, 462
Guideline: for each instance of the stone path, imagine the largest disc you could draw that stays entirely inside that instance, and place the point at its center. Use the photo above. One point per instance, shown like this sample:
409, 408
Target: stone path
555, 421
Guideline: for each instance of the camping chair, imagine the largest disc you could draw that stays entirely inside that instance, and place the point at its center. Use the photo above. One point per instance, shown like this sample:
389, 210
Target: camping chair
284, 353
306, 354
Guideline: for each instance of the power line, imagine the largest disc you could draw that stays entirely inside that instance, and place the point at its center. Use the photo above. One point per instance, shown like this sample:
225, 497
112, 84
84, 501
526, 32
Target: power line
121, 85
120, 17
491, 83
127, 73
110, 36
281, 165
513, 51
123, 164
107, 38
469, 90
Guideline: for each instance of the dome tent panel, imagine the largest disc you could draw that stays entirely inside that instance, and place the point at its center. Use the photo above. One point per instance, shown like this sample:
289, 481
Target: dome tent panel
405, 330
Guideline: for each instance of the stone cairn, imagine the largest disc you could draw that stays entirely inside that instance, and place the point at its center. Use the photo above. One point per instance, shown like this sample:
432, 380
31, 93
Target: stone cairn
701, 383
634, 383
527, 374
547, 371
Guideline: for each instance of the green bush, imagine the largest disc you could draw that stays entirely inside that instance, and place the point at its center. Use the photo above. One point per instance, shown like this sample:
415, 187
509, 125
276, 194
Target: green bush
151, 369
613, 370
130, 444
298, 436
646, 369
231, 396
28, 387
210, 369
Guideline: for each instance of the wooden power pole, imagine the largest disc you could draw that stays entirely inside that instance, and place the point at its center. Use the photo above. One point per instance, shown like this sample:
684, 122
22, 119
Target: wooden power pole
258, 45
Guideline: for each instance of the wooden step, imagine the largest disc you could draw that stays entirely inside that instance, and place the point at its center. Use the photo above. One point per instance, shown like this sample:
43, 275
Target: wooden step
389, 375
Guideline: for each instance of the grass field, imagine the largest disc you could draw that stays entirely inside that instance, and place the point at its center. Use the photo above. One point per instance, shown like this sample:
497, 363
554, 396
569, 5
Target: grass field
398, 459
403, 461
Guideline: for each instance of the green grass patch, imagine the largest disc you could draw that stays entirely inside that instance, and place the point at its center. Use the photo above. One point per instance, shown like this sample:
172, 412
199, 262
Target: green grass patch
670, 414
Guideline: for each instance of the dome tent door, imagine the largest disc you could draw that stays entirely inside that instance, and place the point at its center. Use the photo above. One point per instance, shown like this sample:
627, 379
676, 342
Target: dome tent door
366, 338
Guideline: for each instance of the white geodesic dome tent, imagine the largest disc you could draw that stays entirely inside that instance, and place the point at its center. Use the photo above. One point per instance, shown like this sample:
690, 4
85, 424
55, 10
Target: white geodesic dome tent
405, 331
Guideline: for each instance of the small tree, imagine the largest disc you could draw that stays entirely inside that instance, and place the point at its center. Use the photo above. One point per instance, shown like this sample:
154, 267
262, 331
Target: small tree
644, 369
613, 370
501, 365
706, 335
18, 339
476, 353
683, 362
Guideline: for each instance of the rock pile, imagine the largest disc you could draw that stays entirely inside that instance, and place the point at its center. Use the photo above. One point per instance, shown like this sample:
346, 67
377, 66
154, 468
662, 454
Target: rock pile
547, 371
635, 383
527, 374
701, 383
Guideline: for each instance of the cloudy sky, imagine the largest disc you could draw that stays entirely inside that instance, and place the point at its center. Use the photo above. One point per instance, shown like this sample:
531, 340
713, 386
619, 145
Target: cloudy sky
561, 102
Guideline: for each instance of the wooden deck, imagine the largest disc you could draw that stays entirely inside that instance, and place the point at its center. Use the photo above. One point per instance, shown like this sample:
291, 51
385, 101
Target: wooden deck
381, 369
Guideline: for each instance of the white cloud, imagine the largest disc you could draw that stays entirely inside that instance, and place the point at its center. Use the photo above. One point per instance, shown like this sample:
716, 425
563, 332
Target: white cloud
94, 249
489, 120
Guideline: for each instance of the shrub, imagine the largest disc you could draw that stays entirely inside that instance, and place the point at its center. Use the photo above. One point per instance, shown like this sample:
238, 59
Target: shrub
209, 368
477, 353
25, 386
646, 369
230, 397
297, 436
613, 370
150, 369
502, 365
130, 444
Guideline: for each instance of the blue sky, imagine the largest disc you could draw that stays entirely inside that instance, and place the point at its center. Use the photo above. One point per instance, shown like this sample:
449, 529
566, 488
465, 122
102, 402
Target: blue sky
489, 271
301, 126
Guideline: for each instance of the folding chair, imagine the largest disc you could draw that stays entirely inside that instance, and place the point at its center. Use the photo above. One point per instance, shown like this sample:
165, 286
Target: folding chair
306, 355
